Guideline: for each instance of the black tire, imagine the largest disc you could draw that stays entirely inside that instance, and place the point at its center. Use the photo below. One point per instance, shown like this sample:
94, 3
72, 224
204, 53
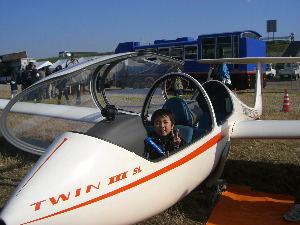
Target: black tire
209, 199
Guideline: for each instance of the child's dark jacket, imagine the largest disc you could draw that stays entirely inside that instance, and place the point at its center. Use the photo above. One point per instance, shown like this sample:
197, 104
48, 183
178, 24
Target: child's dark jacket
165, 145
13, 85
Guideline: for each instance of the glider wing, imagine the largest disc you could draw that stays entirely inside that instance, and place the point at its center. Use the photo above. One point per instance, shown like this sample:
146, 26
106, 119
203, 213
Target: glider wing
266, 129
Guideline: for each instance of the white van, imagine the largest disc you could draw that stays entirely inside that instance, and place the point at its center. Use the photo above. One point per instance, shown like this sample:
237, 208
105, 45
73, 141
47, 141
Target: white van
290, 71
270, 71
64, 53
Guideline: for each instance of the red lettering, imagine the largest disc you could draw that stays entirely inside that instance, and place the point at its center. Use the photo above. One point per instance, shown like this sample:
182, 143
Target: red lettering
89, 187
37, 205
77, 192
62, 196
117, 178
137, 170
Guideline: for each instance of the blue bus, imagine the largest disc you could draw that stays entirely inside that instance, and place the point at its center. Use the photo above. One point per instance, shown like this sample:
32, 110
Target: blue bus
211, 46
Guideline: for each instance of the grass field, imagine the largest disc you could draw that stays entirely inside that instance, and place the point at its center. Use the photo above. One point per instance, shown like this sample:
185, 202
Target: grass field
271, 166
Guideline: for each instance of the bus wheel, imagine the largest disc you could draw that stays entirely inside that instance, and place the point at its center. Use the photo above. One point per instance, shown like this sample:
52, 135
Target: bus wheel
185, 84
149, 82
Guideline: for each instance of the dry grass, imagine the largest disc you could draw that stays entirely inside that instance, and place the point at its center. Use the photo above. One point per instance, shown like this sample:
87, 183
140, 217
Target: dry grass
266, 165
5, 93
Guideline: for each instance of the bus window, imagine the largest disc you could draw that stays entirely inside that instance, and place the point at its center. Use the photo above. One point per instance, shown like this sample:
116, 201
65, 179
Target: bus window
190, 52
235, 46
224, 47
176, 52
164, 51
153, 50
208, 48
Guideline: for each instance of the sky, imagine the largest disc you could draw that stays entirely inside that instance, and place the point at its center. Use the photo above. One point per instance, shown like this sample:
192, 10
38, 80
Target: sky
43, 28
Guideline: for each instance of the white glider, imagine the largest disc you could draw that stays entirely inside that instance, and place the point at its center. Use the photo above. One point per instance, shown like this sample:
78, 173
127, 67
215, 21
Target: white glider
95, 171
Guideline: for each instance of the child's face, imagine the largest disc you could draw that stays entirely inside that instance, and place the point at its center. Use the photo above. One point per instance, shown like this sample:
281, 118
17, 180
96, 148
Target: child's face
163, 125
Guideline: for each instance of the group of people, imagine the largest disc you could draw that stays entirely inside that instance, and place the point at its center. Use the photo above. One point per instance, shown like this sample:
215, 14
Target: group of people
26, 78
30, 75
54, 89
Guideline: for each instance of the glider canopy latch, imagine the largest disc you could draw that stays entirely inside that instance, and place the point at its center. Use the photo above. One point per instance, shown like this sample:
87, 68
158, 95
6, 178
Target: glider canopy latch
109, 112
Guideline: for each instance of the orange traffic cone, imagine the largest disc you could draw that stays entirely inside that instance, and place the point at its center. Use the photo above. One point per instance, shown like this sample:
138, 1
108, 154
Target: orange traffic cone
286, 102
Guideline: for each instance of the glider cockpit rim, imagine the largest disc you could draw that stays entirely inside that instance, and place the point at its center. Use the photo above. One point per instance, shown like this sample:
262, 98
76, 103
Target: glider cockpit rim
199, 88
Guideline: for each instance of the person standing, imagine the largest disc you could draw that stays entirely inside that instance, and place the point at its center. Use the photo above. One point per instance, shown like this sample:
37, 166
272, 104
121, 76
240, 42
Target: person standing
178, 88
211, 68
62, 89
32, 74
292, 37
224, 74
43, 89
19, 77
49, 87
54, 90
42, 73
214, 73
13, 87
29, 77
71, 61
61, 86
23, 78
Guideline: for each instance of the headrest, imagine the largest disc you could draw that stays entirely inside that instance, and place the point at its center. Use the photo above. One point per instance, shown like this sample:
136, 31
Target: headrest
181, 110
196, 111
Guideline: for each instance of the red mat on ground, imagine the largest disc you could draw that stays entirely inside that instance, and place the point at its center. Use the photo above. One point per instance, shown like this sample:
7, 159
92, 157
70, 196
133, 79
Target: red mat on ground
237, 206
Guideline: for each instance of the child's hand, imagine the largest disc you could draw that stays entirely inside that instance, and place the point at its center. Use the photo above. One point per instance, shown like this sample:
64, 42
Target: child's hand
176, 138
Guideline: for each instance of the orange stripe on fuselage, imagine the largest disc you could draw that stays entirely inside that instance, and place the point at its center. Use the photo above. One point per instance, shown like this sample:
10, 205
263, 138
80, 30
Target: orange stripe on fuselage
166, 169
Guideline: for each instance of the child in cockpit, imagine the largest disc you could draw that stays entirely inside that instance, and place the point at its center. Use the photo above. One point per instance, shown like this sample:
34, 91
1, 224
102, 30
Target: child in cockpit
163, 135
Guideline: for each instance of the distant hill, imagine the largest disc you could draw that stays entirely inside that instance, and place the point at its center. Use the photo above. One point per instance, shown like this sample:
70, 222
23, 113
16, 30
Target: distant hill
281, 48
276, 46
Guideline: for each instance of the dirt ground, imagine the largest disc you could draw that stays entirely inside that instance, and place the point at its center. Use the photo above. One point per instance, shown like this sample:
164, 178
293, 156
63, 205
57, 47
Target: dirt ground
271, 166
